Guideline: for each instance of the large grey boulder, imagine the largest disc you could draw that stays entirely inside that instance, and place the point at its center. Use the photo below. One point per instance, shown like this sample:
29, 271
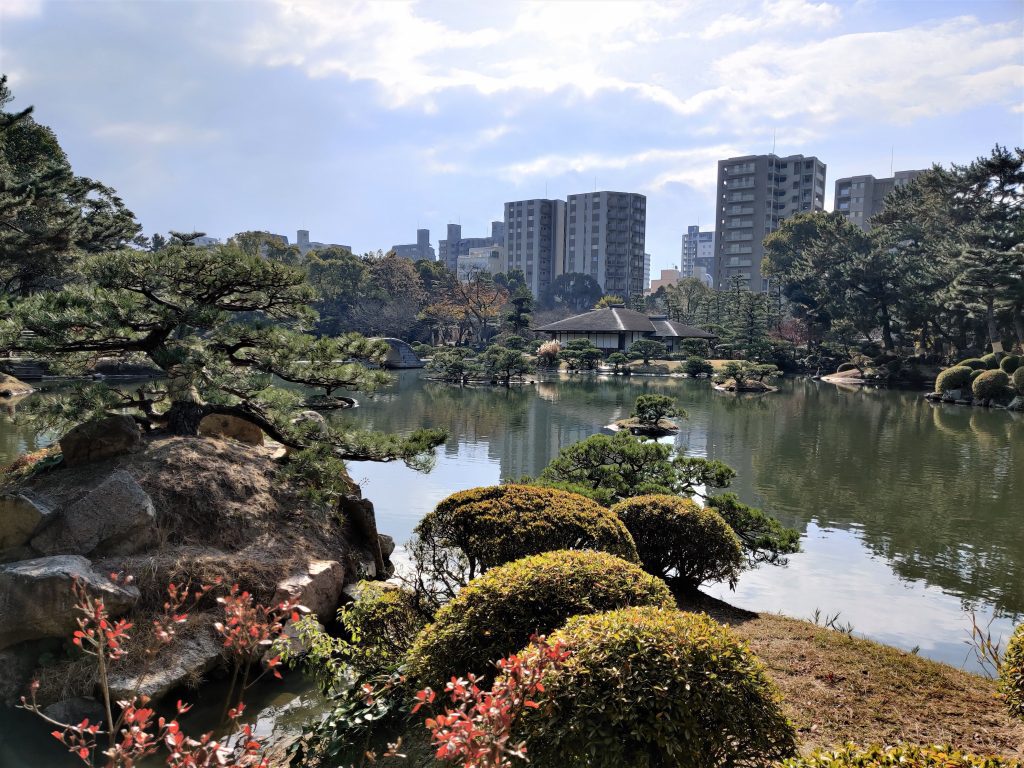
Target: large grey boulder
21, 515
100, 439
75, 710
1017, 404
115, 518
317, 586
184, 662
36, 600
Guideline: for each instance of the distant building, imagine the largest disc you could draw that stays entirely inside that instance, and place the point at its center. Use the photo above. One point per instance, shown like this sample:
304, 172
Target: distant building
647, 271
455, 245
305, 245
755, 194
859, 198
206, 242
605, 237
668, 277
698, 251
535, 241
616, 328
490, 259
420, 250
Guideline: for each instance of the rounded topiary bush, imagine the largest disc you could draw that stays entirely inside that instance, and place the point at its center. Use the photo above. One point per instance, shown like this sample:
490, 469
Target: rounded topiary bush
907, 756
648, 687
976, 374
676, 538
1009, 364
991, 360
497, 613
501, 523
845, 367
1011, 673
991, 385
381, 623
976, 363
1018, 380
957, 377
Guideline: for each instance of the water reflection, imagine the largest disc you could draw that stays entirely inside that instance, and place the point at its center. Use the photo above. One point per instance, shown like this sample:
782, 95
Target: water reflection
904, 504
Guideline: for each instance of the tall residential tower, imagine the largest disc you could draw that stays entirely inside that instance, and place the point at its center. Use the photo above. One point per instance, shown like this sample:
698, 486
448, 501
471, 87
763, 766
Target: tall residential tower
535, 241
605, 237
861, 197
755, 193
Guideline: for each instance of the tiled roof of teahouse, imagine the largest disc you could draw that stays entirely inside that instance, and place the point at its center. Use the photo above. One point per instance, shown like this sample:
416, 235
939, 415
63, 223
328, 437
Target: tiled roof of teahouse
665, 328
608, 320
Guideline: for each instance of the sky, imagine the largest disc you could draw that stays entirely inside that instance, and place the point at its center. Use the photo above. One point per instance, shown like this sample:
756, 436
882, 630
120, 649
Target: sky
361, 121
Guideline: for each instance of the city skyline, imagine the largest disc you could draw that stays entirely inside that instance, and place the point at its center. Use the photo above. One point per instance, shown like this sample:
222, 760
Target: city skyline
365, 123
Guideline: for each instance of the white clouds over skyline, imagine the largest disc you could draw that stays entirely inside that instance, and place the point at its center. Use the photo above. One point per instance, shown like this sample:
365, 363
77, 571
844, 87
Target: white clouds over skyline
361, 120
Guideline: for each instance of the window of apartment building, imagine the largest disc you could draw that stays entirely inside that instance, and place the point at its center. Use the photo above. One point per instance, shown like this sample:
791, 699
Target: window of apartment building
844, 205
843, 192
858, 201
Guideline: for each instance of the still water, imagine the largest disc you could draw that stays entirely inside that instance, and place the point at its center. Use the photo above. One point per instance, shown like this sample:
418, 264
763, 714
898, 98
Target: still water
910, 513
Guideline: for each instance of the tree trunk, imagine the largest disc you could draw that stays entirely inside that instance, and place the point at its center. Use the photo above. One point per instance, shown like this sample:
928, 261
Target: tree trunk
1018, 324
990, 317
183, 417
887, 341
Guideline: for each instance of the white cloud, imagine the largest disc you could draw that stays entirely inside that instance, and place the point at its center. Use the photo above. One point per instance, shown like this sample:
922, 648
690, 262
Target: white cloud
772, 15
769, 62
20, 9
154, 133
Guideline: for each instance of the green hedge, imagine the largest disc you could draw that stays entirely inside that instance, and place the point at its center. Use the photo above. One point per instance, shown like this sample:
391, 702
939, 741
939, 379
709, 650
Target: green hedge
991, 360
957, 377
976, 363
1018, 380
1009, 364
644, 687
1011, 674
991, 385
501, 523
676, 537
497, 613
381, 623
907, 756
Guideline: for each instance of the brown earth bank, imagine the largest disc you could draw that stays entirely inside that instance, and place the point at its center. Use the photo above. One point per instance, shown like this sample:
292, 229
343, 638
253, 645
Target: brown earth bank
189, 510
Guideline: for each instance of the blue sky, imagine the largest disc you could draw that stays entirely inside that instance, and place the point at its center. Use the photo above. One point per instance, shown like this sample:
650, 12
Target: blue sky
361, 121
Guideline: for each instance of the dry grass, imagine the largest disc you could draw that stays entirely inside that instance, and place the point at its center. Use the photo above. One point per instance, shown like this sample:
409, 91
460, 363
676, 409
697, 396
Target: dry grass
838, 688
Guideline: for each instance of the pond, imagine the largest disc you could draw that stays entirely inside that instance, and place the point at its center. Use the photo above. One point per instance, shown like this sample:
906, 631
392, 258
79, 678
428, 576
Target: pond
910, 512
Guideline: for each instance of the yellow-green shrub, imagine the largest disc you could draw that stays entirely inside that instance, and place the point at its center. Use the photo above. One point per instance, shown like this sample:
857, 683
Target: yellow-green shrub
497, 613
907, 756
501, 523
991, 360
957, 377
1009, 364
1011, 674
1018, 380
676, 537
381, 623
645, 687
974, 362
991, 385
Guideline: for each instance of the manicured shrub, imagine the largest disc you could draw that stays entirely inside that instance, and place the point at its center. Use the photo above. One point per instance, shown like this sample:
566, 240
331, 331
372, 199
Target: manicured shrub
1009, 364
644, 687
497, 613
976, 374
1011, 674
957, 377
501, 523
845, 367
696, 365
651, 409
677, 538
991, 385
976, 363
991, 360
906, 756
381, 623
1018, 381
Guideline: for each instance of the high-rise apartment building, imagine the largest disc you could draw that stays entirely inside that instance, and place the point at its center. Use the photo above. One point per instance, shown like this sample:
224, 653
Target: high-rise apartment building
535, 241
605, 236
455, 245
698, 252
755, 193
861, 197
418, 251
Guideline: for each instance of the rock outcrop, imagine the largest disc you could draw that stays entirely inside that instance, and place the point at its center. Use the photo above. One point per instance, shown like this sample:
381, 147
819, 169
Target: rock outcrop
317, 586
184, 662
21, 515
12, 387
222, 425
115, 518
100, 439
36, 599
